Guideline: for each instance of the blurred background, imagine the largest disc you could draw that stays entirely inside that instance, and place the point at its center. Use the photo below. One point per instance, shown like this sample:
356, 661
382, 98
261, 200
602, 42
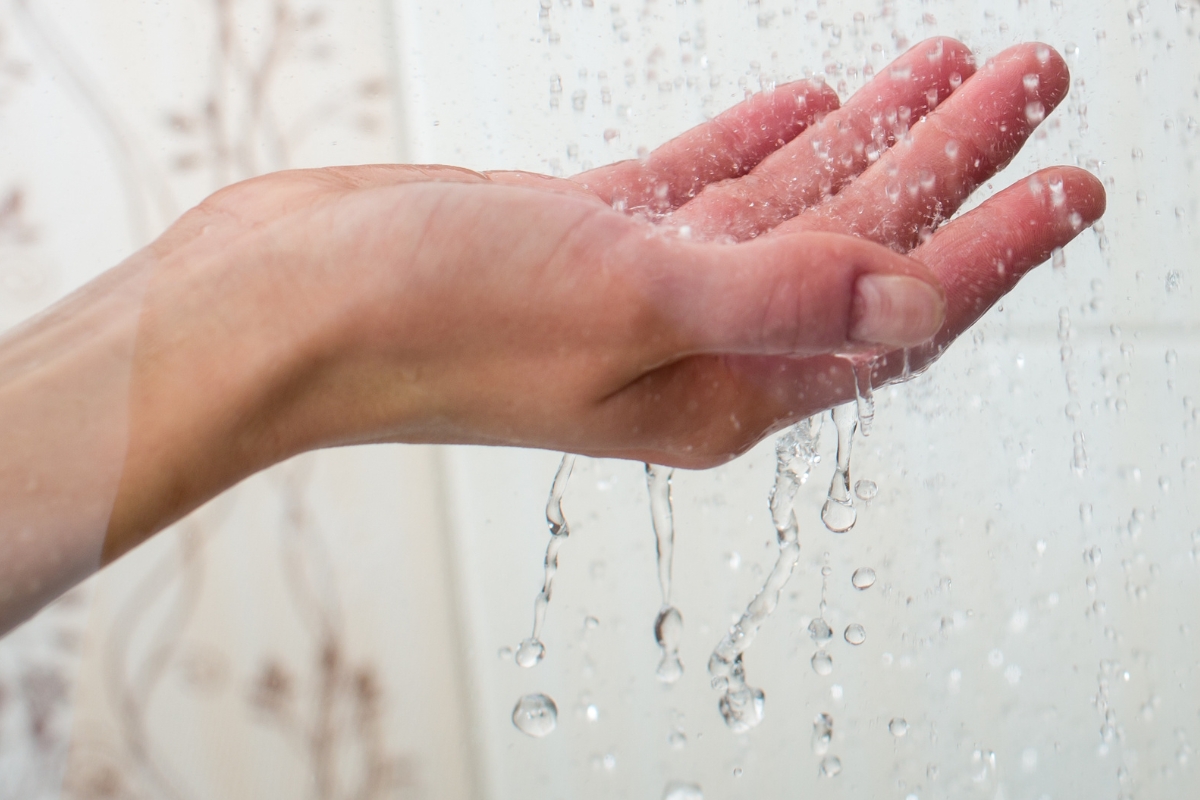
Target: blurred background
343, 625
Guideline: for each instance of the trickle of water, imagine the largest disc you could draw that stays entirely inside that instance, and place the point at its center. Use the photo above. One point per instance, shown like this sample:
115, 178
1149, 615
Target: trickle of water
682, 791
535, 715
898, 727
668, 626
855, 634
741, 706
864, 397
863, 578
532, 650
838, 513
822, 663
830, 766
668, 632
820, 631
866, 490
822, 733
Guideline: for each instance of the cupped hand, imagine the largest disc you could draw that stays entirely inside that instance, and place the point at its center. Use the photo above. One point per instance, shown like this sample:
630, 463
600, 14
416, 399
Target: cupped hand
672, 309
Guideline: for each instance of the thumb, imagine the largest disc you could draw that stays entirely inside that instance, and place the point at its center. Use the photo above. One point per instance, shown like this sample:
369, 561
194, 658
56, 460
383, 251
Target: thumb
797, 294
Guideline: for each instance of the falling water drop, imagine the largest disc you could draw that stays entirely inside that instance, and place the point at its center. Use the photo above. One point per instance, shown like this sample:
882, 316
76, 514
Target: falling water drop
822, 733
682, 791
838, 513
668, 632
668, 626
898, 727
741, 705
855, 634
866, 490
531, 650
863, 578
822, 663
820, 631
830, 766
535, 715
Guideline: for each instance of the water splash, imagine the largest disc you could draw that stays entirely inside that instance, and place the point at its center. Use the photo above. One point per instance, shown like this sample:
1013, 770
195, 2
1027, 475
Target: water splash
668, 626
741, 705
531, 650
838, 513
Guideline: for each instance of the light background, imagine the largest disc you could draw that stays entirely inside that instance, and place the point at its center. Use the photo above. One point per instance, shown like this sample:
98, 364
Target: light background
333, 628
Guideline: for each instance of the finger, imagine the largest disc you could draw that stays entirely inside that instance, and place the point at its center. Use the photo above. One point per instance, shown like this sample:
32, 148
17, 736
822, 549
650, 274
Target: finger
727, 146
705, 410
969, 138
802, 294
833, 151
981, 256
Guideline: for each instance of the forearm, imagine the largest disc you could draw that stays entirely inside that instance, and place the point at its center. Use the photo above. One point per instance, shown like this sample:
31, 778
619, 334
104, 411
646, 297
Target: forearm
64, 422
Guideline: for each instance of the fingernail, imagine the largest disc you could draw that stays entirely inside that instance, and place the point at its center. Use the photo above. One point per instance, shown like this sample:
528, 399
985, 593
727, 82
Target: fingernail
895, 310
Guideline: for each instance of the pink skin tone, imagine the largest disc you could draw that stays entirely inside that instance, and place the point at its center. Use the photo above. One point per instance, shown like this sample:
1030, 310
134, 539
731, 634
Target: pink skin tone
674, 309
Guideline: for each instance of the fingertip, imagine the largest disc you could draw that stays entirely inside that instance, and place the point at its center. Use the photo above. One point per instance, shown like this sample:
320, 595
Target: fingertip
956, 54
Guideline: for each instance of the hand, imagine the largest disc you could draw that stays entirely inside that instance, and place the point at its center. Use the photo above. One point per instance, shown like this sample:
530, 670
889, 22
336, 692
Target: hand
674, 309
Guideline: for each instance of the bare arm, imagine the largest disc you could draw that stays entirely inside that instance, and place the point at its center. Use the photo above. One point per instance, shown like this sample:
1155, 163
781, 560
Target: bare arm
675, 309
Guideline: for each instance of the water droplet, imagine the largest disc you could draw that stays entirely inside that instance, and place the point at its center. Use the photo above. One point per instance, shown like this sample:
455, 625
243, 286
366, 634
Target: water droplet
822, 733
1031, 82
863, 578
530, 652
535, 715
742, 709
898, 727
830, 766
951, 149
855, 634
737, 772
668, 632
838, 513
677, 740
1092, 555
1035, 112
866, 490
591, 623
822, 663
505, 653
820, 631
682, 791
955, 80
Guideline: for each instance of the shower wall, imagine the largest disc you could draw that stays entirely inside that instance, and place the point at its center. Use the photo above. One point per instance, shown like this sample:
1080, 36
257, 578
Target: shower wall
343, 625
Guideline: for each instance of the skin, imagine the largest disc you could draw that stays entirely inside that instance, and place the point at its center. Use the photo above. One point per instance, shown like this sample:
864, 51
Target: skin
674, 309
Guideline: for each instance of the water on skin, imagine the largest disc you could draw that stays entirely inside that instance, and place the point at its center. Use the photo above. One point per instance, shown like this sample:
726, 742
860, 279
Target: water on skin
530, 652
535, 715
838, 513
668, 626
742, 705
